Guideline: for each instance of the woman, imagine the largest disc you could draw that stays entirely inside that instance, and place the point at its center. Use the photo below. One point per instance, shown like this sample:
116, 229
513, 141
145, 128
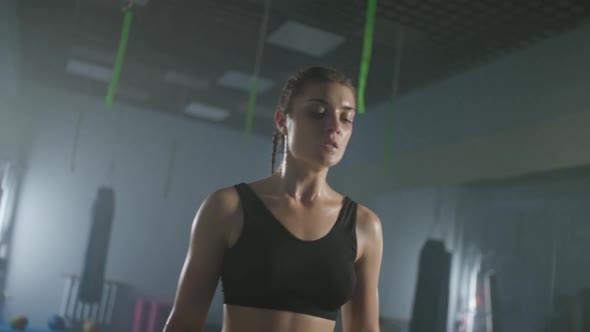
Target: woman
289, 250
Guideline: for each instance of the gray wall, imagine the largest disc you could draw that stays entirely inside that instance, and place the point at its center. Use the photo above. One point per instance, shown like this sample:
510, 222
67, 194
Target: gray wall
511, 226
150, 231
410, 218
519, 226
9, 52
10, 119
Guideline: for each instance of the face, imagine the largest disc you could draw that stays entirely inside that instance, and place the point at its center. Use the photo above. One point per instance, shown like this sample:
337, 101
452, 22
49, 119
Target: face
319, 125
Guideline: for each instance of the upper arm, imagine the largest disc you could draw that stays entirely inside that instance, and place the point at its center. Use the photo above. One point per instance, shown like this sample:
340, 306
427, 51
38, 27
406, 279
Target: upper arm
361, 313
201, 270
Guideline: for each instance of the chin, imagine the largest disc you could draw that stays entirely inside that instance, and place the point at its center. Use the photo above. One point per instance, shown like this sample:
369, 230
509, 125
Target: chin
329, 162
322, 160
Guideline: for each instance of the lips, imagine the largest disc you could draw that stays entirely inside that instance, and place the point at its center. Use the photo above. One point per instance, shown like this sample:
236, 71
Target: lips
331, 143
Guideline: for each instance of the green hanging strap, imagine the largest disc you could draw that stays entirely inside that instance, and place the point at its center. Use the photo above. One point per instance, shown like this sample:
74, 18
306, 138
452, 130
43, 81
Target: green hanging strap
258, 64
120, 56
390, 123
366, 55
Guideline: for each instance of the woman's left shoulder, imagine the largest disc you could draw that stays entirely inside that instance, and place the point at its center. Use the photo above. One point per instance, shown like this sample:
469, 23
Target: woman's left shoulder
368, 222
369, 235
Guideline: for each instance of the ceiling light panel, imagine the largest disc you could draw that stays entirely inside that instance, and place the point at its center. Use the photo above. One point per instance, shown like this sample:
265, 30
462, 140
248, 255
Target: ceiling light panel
305, 39
241, 81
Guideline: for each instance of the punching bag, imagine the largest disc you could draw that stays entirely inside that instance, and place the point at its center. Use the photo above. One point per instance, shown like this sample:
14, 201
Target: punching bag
431, 299
585, 309
92, 279
492, 302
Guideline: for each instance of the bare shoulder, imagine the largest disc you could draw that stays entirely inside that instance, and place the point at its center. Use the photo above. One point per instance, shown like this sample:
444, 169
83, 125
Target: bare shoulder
224, 201
221, 210
369, 231
368, 223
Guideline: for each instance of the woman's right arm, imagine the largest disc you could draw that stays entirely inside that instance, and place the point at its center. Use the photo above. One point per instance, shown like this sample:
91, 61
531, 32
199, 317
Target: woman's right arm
200, 274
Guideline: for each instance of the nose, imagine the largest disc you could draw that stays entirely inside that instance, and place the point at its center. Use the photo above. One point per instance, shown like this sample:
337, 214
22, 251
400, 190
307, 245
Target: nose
333, 124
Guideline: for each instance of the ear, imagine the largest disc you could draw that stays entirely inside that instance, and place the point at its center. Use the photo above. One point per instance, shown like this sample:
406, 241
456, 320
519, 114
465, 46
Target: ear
281, 121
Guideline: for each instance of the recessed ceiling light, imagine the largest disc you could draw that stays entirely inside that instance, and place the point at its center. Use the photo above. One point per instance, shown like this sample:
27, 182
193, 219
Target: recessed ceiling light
89, 70
208, 112
103, 74
305, 39
242, 81
92, 54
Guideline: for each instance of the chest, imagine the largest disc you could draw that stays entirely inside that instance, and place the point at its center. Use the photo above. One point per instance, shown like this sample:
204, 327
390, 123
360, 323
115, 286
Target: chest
303, 223
298, 263
320, 272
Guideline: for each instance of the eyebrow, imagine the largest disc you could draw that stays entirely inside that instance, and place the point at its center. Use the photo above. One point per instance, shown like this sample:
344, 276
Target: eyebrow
323, 101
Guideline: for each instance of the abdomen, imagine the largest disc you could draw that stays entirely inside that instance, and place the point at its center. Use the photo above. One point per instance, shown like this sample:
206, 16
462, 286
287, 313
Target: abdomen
245, 319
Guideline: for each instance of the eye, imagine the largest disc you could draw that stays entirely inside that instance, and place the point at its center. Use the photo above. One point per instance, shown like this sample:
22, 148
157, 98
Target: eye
317, 111
318, 115
348, 117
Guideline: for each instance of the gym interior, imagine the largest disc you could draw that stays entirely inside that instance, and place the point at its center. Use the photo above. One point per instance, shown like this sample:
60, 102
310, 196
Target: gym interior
117, 118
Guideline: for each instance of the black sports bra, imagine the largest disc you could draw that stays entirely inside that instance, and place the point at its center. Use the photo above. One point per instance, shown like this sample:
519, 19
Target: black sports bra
270, 268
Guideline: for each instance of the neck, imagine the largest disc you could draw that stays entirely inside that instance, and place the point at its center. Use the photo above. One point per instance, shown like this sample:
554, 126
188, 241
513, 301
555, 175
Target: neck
300, 181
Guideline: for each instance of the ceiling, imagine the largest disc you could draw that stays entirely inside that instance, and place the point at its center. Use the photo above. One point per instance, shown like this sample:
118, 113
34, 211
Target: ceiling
197, 42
